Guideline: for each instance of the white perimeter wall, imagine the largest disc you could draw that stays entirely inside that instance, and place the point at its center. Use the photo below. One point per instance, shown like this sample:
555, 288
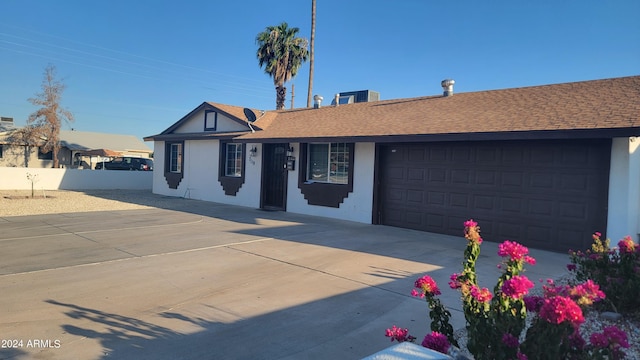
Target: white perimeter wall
12, 178
357, 206
624, 190
200, 179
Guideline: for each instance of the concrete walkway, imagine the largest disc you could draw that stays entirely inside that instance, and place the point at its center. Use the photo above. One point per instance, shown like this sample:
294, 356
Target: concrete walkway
209, 281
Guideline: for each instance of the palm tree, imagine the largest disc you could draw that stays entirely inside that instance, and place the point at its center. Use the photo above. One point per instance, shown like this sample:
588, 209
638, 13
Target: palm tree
282, 54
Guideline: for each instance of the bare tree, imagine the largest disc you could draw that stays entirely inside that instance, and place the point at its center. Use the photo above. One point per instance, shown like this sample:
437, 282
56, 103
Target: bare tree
48, 118
27, 138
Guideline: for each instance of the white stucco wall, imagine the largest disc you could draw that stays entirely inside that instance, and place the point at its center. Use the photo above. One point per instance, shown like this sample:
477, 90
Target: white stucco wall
357, 206
624, 190
200, 180
15, 178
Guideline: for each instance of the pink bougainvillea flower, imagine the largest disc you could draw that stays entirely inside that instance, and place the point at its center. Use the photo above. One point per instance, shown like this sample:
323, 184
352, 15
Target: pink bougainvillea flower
516, 287
481, 295
599, 340
529, 260
470, 223
559, 309
515, 252
586, 293
533, 303
426, 286
610, 336
571, 267
522, 356
472, 232
454, 283
626, 245
399, 334
436, 341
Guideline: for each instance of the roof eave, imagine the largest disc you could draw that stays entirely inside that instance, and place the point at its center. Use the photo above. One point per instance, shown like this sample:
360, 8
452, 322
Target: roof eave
477, 136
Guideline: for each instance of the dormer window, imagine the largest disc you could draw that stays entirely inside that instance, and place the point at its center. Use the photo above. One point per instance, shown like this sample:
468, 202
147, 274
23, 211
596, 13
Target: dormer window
210, 120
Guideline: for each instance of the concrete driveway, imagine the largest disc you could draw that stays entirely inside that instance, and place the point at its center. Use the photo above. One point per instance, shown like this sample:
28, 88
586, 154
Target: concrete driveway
209, 281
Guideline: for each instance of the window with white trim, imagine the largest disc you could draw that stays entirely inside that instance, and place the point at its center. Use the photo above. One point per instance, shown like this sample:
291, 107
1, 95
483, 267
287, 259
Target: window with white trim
175, 158
233, 160
328, 163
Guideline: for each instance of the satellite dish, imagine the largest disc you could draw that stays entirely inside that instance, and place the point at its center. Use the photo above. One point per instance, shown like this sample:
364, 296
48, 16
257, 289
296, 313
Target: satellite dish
251, 116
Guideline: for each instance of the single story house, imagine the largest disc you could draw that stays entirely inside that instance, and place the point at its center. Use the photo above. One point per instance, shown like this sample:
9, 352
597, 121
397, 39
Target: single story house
545, 165
78, 149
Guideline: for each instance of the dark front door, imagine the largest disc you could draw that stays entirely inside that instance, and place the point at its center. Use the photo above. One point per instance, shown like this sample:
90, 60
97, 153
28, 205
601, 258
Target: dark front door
274, 176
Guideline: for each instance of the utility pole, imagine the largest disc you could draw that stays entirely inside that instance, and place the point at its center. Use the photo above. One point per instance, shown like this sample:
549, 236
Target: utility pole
311, 48
293, 93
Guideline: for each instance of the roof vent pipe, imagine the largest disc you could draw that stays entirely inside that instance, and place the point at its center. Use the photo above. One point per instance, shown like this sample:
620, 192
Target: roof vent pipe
447, 87
336, 99
317, 101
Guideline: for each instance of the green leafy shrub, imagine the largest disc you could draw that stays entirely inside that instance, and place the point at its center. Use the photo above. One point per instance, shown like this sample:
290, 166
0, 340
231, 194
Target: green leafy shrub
616, 270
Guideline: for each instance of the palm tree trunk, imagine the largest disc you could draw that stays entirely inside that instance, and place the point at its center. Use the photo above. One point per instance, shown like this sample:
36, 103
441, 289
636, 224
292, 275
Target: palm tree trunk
281, 94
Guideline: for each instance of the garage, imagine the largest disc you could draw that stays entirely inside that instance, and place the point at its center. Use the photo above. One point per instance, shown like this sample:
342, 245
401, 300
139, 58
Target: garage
545, 194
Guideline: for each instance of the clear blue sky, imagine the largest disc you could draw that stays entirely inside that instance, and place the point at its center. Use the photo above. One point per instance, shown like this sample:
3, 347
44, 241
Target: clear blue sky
136, 67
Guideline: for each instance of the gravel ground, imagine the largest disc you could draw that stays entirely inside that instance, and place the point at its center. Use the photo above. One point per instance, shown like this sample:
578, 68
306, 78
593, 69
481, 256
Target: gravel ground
20, 203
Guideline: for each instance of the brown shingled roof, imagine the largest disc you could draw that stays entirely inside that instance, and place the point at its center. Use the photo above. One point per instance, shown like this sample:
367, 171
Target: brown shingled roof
582, 107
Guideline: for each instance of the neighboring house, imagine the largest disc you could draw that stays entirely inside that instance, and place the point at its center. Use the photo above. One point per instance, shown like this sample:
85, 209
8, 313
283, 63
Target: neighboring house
545, 166
84, 149
78, 149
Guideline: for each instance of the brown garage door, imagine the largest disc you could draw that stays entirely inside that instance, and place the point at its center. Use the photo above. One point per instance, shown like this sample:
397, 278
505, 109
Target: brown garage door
544, 194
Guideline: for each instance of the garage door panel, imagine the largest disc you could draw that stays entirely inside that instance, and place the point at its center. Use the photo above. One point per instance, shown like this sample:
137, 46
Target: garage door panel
435, 221
486, 156
417, 154
484, 202
540, 207
414, 174
414, 218
486, 178
508, 231
511, 205
573, 210
543, 181
460, 176
436, 198
415, 196
437, 175
574, 182
396, 195
462, 155
531, 192
437, 154
511, 179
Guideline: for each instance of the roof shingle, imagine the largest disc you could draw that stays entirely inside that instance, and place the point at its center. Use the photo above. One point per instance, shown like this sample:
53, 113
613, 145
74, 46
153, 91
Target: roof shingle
580, 106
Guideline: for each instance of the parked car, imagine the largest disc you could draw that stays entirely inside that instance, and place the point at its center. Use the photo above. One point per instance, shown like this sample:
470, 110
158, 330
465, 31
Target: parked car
127, 163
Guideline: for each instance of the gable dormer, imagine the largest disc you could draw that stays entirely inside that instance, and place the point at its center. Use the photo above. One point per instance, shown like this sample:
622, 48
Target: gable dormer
210, 118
